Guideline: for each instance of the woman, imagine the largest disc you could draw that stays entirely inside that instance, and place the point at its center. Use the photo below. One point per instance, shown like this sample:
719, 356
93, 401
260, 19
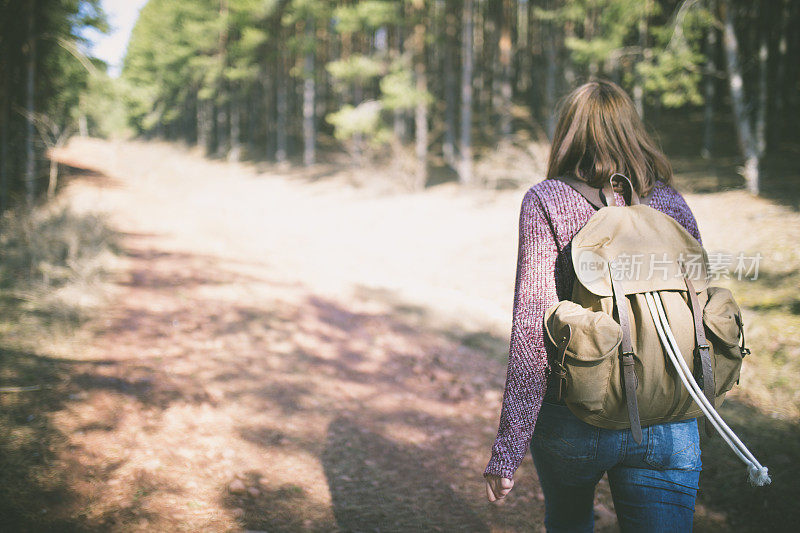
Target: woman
653, 484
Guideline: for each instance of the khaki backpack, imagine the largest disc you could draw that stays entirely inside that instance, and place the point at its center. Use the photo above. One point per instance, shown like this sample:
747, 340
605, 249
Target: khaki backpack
644, 339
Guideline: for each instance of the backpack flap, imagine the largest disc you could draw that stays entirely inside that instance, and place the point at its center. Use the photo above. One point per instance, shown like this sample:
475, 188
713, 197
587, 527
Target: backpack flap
586, 358
646, 244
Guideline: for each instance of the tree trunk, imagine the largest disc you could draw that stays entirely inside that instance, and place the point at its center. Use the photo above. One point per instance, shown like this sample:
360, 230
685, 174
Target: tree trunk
761, 110
747, 140
780, 77
30, 153
449, 142
588, 35
282, 108
523, 59
268, 84
203, 124
4, 166
421, 112
487, 63
222, 101
222, 125
399, 115
790, 97
465, 170
358, 137
551, 76
53, 178
309, 128
505, 49
710, 93
251, 112
235, 153
638, 88
569, 69
199, 119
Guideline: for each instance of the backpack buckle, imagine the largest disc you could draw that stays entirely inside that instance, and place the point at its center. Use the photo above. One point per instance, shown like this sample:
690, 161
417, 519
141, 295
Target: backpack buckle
745, 351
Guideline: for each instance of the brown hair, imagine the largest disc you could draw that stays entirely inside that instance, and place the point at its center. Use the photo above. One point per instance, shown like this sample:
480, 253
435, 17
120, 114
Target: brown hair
599, 134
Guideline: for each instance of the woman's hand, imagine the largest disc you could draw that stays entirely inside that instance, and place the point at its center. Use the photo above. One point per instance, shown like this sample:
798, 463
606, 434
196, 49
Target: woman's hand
498, 487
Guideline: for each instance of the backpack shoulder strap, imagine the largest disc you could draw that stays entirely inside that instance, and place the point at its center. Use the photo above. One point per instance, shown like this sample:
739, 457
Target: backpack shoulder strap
593, 194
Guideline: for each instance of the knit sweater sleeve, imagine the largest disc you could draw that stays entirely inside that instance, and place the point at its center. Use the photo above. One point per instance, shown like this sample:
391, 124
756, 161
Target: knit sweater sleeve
535, 291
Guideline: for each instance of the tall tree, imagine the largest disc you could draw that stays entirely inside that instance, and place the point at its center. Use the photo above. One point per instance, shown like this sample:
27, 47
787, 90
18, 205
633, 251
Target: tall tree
5, 100
710, 74
309, 97
43, 71
638, 88
222, 100
30, 107
747, 138
761, 109
421, 112
450, 58
465, 148
278, 74
505, 46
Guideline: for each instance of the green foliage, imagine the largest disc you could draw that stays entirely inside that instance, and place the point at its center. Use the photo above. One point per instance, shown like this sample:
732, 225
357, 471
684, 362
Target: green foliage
597, 49
674, 76
356, 68
363, 16
398, 90
363, 119
208, 50
675, 73
606, 26
162, 65
261, 60
104, 103
607, 36
303, 10
61, 72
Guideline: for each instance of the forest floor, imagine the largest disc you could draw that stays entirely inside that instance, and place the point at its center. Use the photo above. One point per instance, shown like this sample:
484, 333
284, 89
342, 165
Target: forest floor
280, 350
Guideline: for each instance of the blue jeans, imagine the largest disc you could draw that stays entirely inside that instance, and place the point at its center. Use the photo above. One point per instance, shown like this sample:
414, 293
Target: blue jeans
653, 484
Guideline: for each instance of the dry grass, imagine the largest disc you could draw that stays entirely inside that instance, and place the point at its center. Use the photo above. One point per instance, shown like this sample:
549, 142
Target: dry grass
283, 351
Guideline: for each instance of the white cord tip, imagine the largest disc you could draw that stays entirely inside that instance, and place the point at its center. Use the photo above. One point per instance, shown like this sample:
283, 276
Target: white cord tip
758, 477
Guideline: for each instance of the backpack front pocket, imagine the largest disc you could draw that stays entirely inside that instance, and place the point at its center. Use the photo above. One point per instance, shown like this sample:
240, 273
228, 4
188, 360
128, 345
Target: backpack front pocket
723, 321
593, 338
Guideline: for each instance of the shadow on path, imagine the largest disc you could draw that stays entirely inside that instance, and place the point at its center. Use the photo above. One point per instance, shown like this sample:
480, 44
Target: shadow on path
376, 483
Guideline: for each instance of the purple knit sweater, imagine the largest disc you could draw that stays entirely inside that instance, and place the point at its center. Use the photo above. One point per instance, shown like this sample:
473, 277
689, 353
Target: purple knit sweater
552, 212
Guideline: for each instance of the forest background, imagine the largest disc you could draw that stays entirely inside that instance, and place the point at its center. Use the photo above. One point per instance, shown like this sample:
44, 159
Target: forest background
434, 87
276, 125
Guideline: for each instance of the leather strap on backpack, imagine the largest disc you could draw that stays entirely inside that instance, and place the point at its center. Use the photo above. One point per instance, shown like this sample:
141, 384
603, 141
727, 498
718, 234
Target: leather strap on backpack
702, 350
743, 349
608, 191
593, 194
626, 357
561, 370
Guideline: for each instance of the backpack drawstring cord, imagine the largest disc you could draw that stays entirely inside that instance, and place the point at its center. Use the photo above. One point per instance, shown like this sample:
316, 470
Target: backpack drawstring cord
758, 475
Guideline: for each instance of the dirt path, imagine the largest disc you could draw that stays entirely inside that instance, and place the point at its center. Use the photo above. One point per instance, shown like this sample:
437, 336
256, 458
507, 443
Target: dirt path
286, 352
282, 354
